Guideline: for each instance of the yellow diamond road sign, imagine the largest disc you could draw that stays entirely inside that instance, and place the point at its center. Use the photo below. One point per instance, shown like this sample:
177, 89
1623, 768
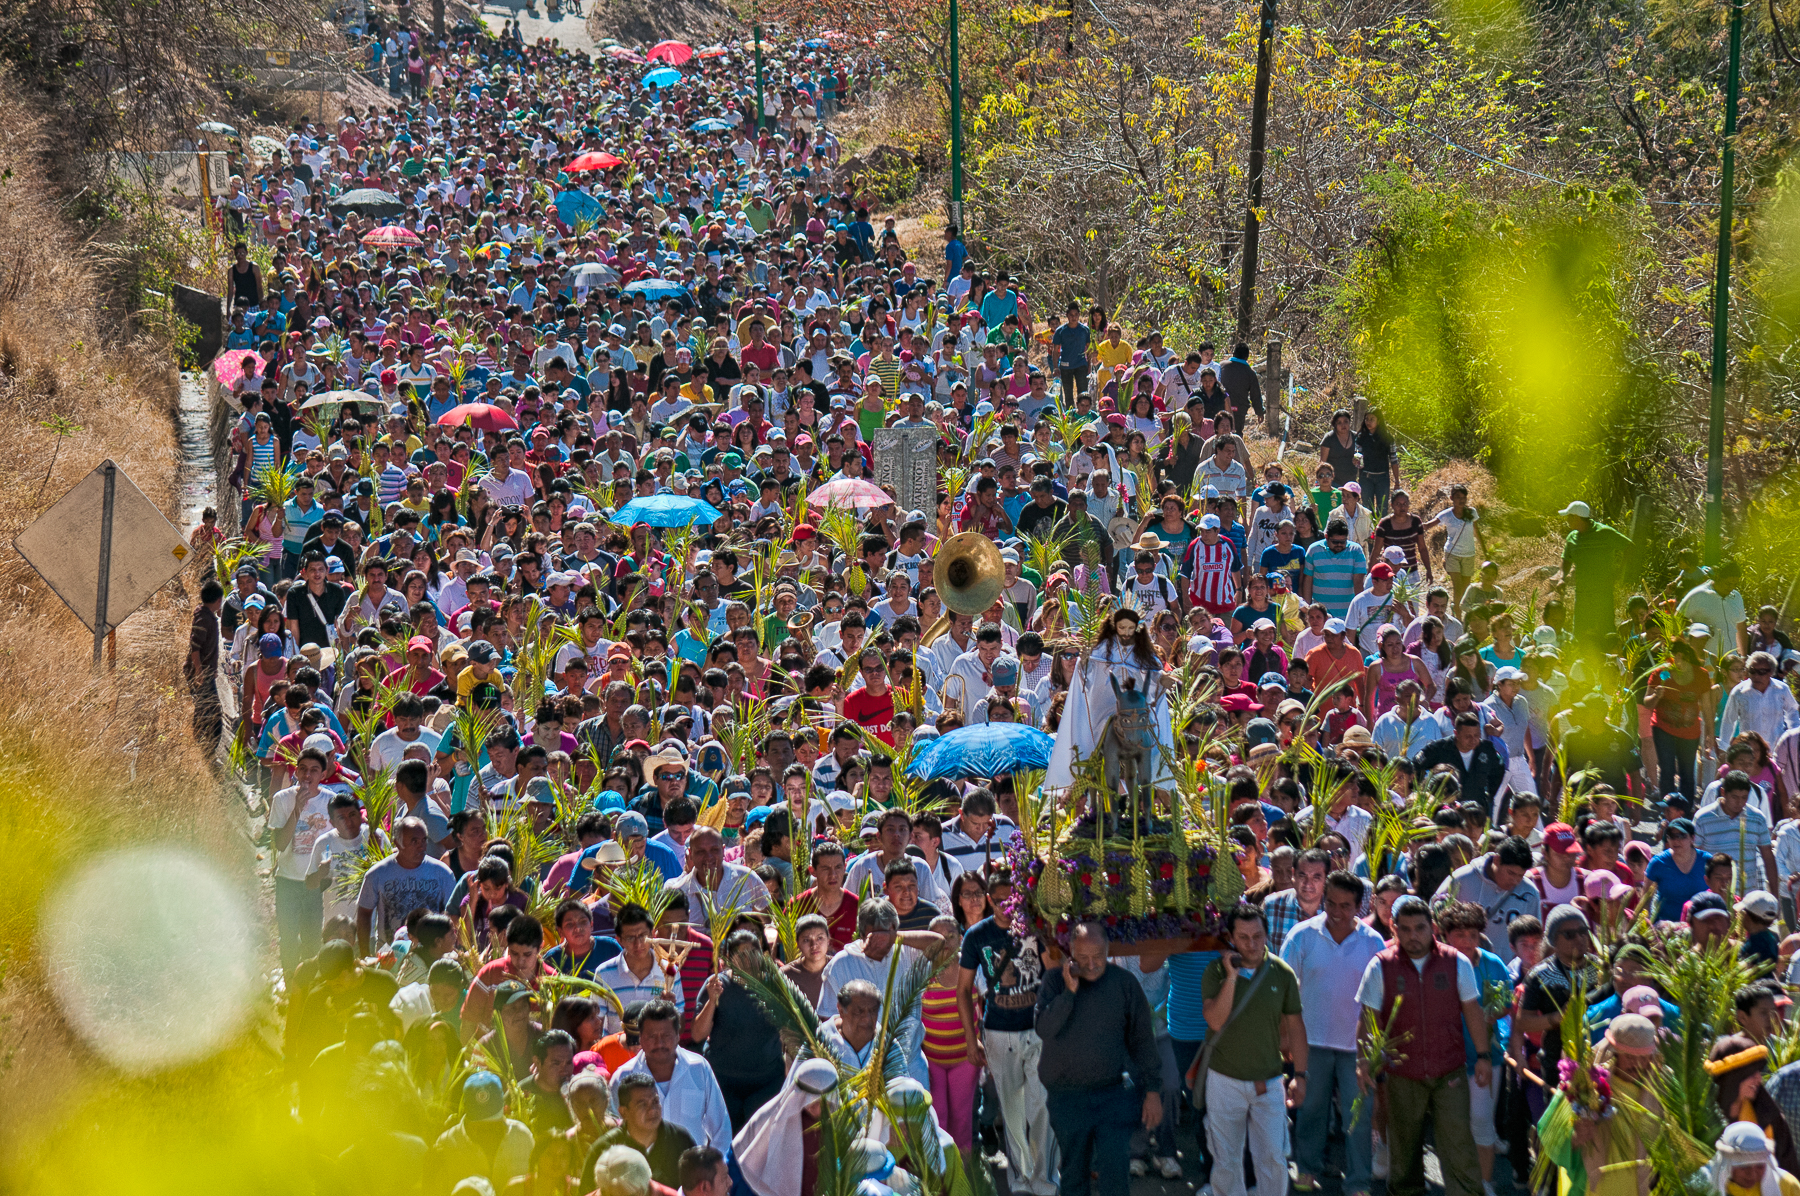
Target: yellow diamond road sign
64, 547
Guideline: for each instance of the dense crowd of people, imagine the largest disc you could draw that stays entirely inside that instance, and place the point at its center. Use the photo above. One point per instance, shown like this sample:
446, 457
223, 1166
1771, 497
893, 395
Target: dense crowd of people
597, 862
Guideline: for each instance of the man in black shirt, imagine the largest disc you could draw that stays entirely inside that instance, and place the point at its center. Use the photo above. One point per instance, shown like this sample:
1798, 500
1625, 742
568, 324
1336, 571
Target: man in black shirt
1095, 1024
643, 1129
1042, 509
314, 604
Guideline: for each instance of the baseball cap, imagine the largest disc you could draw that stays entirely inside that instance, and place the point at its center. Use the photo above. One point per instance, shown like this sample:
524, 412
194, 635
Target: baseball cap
1681, 826
631, 823
1237, 703
1560, 837
483, 1096
1334, 626
1006, 671
1271, 679
1381, 569
269, 645
1211, 521
1579, 509
421, 643
1259, 731
482, 652
1759, 904
1706, 904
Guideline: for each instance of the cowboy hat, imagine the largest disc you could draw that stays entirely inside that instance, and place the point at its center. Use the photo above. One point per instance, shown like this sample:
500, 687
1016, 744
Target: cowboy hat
659, 760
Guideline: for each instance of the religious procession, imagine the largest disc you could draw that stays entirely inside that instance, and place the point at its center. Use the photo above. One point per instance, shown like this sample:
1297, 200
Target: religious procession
744, 707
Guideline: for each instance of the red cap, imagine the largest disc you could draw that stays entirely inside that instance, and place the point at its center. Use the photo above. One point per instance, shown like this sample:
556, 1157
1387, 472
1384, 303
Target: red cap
1239, 702
421, 643
1560, 837
1381, 569
805, 531
389, 378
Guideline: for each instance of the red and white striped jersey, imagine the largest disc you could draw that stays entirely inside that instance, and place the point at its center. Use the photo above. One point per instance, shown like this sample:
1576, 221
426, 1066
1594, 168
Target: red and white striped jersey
1211, 569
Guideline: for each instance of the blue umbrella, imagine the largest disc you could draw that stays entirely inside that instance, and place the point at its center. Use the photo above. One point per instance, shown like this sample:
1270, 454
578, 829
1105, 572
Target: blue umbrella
578, 205
817, 43
662, 76
711, 124
655, 288
984, 750
672, 510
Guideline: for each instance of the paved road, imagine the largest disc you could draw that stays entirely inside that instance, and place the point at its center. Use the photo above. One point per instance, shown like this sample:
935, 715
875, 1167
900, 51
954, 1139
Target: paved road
536, 21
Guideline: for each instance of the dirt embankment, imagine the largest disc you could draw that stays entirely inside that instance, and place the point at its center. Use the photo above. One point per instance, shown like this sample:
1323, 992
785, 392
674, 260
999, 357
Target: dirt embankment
87, 761
697, 22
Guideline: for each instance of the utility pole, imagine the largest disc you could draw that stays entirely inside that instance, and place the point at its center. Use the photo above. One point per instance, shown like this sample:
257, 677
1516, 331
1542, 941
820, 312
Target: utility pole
956, 122
756, 33
1715, 432
1259, 128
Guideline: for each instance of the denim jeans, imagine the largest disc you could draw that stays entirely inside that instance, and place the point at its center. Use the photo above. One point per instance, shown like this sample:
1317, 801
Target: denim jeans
1332, 1075
1674, 761
1375, 491
1093, 1134
299, 921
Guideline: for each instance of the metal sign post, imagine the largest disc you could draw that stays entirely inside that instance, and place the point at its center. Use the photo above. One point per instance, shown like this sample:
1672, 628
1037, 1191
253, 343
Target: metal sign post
104, 549
109, 474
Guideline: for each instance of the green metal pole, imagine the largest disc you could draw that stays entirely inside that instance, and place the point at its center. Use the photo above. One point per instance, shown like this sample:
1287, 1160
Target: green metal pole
1715, 435
956, 122
756, 32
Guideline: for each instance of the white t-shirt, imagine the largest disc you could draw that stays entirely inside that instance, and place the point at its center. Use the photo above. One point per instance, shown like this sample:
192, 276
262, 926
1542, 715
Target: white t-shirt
389, 749
513, 490
1369, 992
1154, 598
341, 854
313, 825
1460, 540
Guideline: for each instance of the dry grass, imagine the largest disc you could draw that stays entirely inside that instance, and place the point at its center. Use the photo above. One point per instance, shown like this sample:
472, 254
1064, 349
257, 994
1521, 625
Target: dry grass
87, 762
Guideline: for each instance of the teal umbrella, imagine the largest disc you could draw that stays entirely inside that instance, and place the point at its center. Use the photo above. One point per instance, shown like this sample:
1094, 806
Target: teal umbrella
983, 750
668, 510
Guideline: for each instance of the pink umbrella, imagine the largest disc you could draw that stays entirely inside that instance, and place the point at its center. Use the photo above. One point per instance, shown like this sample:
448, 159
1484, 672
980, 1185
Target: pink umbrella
228, 367
391, 235
623, 53
850, 492
485, 416
673, 53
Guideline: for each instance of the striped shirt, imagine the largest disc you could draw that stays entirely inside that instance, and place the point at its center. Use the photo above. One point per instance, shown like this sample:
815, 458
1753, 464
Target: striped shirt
393, 484
1212, 568
1334, 574
945, 1042
263, 456
1714, 831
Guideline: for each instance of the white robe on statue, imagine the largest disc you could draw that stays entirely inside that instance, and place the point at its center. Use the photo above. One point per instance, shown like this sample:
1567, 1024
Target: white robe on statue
1091, 704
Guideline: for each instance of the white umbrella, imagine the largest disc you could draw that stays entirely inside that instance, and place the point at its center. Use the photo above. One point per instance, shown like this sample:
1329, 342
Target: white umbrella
337, 398
595, 274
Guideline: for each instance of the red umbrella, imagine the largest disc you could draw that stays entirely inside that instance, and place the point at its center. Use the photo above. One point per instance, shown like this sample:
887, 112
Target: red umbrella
596, 161
485, 416
389, 235
673, 53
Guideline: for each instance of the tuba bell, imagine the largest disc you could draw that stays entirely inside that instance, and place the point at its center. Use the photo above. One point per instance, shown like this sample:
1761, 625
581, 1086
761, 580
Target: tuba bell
969, 573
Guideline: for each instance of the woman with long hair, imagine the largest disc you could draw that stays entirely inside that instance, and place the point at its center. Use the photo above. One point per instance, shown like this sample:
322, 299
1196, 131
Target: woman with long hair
969, 900
1393, 665
1473, 671
1435, 653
